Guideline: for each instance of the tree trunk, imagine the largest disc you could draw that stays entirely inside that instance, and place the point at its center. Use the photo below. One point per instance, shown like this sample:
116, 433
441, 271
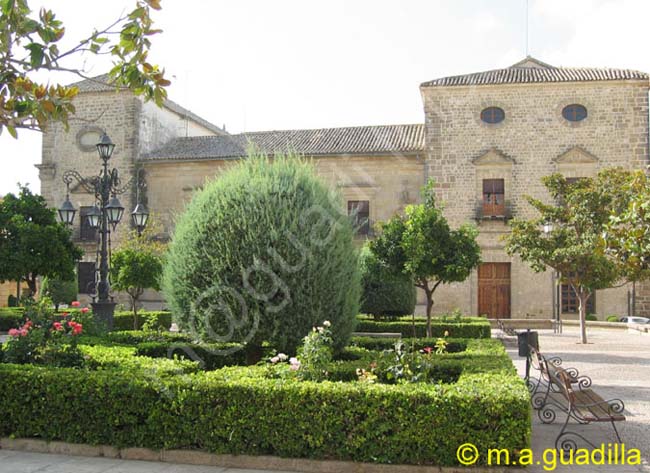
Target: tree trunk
31, 282
18, 292
583, 296
134, 307
429, 293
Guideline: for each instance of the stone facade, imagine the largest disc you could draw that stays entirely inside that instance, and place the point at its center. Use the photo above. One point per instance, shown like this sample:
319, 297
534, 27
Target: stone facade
457, 149
534, 140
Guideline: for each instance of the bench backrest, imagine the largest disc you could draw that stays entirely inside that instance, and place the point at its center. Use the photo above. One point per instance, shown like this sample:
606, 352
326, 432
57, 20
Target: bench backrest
562, 380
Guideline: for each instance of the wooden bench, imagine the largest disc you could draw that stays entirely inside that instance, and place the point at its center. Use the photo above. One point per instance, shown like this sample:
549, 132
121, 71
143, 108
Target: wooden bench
583, 405
541, 387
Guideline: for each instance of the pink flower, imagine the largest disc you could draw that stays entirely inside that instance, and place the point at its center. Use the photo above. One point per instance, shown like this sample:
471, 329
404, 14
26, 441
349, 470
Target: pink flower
84, 310
13, 332
57, 326
65, 314
75, 304
76, 330
427, 350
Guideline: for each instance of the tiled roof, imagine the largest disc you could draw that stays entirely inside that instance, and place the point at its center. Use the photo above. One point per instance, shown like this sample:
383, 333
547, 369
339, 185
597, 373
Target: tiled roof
531, 70
101, 83
325, 141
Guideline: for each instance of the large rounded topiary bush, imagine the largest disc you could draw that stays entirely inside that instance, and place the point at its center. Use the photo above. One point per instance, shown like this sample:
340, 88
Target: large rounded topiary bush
384, 292
262, 254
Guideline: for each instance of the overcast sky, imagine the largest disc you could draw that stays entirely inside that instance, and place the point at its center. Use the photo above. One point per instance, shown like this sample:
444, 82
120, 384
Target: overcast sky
262, 65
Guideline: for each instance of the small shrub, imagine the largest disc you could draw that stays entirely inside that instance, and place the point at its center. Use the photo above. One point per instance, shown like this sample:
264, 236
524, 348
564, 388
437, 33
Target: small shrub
316, 353
591, 317
12, 301
613, 318
60, 291
384, 292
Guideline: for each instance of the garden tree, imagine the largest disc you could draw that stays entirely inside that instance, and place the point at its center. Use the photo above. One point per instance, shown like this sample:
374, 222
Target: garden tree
59, 290
422, 244
264, 253
138, 265
32, 242
384, 291
627, 234
31, 43
574, 245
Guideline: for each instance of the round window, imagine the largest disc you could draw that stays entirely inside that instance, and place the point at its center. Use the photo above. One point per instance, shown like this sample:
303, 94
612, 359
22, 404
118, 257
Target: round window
574, 112
492, 115
88, 138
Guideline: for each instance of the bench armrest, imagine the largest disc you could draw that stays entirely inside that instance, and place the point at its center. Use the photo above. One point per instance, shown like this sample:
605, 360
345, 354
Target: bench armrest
616, 406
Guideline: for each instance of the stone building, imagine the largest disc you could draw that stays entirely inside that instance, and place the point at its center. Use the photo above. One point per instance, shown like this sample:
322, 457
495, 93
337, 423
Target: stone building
487, 139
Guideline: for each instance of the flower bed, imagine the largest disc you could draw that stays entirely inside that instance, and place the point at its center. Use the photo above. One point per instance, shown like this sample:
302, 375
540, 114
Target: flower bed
130, 401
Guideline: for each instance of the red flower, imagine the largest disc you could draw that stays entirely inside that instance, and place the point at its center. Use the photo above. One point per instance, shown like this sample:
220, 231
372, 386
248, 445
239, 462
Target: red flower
75, 304
57, 326
65, 314
76, 330
84, 310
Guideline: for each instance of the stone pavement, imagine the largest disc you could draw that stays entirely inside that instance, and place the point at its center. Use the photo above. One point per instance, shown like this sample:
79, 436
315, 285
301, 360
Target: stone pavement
28, 462
619, 364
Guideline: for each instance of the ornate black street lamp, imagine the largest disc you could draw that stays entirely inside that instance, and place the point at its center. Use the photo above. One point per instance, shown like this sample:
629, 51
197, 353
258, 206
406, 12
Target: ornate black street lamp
107, 211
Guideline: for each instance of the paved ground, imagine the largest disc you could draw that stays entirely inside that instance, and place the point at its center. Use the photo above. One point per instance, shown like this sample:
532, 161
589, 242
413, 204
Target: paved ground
619, 364
617, 361
25, 462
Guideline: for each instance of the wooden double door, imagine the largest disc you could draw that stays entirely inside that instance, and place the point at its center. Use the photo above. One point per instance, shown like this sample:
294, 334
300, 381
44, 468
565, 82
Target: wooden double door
494, 290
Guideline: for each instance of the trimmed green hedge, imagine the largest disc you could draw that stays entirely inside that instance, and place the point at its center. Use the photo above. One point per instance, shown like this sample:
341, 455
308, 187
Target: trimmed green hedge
379, 344
239, 411
13, 318
209, 356
9, 320
124, 319
470, 328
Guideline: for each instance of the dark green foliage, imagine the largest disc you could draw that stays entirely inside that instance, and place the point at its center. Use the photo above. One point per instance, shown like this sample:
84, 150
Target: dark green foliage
35, 243
59, 290
9, 320
12, 301
238, 411
384, 292
125, 320
473, 329
591, 317
210, 356
263, 253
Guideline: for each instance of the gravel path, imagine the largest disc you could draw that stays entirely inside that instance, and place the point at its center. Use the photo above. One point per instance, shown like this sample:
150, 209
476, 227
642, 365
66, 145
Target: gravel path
619, 364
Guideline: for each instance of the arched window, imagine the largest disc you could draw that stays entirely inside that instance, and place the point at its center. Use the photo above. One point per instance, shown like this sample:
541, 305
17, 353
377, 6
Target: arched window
574, 112
492, 115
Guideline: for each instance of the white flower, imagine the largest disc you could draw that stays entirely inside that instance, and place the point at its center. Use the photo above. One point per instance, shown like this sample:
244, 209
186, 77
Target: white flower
282, 357
327, 323
275, 359
294, 361
321, 330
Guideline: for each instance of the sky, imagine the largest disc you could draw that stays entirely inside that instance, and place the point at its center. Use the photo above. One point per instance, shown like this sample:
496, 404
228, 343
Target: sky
269, 65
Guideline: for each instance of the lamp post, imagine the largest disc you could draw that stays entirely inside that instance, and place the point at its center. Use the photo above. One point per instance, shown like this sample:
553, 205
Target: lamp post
106, 213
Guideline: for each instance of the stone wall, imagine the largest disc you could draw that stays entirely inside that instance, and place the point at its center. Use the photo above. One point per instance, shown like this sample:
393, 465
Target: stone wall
534, 140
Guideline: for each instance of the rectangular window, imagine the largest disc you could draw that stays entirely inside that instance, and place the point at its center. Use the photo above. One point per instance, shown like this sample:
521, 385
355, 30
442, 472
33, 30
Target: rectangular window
86, 278
494, 198
359, 212
570, 302
86, 232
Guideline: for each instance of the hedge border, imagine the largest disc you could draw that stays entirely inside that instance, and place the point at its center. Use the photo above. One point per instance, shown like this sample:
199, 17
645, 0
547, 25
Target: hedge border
239, 411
